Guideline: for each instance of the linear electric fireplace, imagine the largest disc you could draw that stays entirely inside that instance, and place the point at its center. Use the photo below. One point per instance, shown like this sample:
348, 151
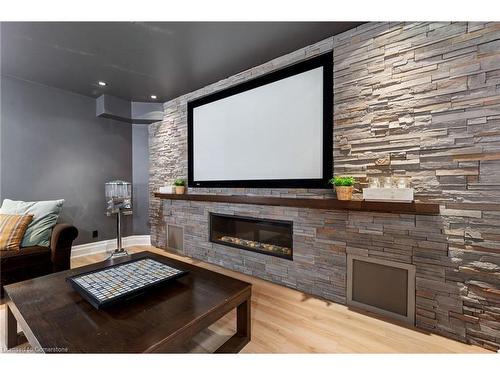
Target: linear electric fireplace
265, 236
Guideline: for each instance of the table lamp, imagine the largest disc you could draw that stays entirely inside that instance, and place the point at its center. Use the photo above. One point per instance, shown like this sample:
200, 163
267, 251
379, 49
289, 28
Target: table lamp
118, 202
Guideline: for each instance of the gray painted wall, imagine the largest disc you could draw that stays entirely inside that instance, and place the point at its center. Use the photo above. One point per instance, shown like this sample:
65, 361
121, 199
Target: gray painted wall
53, 146
140, 168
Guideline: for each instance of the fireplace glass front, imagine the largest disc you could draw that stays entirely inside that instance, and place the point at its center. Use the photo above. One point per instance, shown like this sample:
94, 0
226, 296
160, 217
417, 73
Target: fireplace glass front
271, 237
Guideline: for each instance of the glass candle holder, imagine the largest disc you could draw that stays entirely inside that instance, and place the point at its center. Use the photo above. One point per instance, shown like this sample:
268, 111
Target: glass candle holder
373, 182
403, 182
387, 182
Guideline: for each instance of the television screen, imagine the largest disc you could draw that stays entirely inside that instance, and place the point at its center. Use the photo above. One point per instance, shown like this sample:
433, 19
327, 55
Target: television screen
274, 131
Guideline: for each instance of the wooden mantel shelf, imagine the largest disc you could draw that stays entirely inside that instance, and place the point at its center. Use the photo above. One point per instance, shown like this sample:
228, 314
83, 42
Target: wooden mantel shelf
323, 203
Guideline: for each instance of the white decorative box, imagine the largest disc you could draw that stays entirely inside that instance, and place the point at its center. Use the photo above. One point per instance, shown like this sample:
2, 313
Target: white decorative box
166, 189
388, 194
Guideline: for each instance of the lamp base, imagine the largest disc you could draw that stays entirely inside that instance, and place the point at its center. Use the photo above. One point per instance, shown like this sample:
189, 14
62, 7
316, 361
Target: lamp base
118, 253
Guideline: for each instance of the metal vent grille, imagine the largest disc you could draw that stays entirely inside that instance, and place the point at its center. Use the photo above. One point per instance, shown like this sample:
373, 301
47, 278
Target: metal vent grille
384, 287
175, 237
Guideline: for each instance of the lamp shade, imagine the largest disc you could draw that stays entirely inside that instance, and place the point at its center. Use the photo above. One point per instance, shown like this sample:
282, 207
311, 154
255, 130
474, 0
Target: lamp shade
118, 196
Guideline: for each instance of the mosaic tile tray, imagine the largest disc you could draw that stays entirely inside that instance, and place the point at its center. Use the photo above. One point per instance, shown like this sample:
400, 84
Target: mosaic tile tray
109, 285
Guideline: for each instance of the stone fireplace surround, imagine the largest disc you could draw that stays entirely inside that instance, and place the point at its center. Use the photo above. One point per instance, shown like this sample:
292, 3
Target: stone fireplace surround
425, 96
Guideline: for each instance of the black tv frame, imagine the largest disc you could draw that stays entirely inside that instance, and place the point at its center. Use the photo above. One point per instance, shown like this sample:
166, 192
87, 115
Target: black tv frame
325, 61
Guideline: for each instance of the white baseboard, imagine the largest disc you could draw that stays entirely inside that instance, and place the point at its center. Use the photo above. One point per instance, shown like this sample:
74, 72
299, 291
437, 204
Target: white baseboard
108, 245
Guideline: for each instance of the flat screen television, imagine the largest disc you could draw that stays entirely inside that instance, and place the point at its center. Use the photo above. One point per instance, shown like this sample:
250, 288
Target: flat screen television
272, 131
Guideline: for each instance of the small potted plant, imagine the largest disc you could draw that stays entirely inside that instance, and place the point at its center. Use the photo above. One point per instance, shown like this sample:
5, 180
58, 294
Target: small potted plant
180, 186
344, 185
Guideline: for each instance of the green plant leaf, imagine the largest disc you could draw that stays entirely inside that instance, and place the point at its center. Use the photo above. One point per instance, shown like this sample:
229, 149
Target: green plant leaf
342, 181
180, 182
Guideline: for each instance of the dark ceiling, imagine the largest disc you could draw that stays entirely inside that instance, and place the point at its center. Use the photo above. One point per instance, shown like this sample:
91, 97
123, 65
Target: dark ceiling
138, 59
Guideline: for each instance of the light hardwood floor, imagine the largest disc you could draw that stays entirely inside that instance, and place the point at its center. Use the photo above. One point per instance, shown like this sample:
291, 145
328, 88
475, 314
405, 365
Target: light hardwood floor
288, 321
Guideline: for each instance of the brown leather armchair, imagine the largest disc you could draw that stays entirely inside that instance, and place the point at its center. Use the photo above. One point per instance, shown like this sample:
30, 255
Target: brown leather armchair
35, 261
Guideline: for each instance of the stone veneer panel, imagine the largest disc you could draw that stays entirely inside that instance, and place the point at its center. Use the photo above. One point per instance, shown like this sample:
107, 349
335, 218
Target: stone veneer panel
426, 96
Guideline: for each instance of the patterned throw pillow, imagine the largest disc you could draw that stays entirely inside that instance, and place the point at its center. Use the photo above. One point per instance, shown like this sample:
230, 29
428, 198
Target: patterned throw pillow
12, 229
45, 214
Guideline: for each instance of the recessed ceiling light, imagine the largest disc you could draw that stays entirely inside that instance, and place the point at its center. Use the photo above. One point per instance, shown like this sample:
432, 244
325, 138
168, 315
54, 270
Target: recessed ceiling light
153, 97
102, 83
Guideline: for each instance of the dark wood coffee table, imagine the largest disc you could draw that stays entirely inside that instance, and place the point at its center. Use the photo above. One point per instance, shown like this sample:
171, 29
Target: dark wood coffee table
54, 318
